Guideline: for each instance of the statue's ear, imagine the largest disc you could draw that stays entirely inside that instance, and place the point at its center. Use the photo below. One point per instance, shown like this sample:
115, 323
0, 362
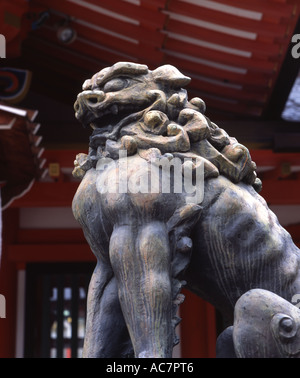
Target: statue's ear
170, 74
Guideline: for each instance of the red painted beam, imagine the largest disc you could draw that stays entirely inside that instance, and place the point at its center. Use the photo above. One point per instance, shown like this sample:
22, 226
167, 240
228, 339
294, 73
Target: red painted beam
214, 102
272, 12
184, 63
281, 192
51, 236
255, 46
64, 66
154, 4
148, 17
20, 253
117, 46
229, 93
228, 20
45, 49
270, 158
82, 13
262, 65
42, 194
65, 158
294, 230
81, 46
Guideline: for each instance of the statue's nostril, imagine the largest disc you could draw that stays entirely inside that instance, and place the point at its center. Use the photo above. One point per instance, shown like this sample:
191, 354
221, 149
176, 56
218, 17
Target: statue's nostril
87, 100
95, 97
93, 100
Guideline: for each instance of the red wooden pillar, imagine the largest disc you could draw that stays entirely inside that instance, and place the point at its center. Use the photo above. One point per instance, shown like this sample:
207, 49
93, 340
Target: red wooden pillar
8, 284
198, 327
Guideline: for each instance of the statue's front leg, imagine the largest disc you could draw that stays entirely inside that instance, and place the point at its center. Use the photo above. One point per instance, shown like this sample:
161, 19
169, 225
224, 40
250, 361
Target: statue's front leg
106, 333
140, 257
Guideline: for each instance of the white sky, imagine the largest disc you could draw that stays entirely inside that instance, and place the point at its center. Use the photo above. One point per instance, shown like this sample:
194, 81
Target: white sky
291, 111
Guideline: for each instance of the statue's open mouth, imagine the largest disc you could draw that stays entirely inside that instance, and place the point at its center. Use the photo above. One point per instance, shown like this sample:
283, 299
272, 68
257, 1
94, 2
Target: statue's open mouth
107, 116
110, 117
104, 118
108, 125
91, 110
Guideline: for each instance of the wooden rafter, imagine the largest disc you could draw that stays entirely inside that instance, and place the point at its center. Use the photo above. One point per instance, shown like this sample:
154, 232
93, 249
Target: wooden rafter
20, 152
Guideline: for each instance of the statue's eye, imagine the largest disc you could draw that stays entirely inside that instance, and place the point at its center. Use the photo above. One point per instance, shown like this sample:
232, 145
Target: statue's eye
115, 85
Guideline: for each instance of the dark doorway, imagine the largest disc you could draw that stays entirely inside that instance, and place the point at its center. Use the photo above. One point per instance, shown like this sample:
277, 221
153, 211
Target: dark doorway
56, 295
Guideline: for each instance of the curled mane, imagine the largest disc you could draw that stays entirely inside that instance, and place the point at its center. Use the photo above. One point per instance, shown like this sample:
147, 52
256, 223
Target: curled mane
168, 122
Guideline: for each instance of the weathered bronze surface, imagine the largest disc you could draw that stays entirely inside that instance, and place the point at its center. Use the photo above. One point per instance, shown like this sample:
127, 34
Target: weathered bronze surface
265, 326
149, 243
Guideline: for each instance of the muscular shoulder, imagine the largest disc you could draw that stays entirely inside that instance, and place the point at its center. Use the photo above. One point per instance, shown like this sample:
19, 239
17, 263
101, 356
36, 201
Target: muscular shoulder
85, 196
226, 197
124, 190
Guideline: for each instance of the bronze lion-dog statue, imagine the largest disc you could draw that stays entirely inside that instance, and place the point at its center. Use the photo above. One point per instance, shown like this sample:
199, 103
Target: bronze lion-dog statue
151, 238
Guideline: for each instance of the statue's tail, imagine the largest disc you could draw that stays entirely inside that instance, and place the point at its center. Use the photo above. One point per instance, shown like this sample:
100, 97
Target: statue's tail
179, 227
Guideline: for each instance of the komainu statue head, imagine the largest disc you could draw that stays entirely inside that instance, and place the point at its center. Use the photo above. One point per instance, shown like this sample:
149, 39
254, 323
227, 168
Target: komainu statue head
128, 89
131, 107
